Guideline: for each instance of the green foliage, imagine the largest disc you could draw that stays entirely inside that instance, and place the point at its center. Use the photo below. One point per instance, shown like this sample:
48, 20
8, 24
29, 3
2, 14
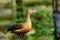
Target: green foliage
42, 22
43, 26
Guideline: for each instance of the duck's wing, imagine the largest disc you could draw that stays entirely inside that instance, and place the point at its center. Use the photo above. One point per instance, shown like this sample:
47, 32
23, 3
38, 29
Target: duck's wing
19, 25
15, 27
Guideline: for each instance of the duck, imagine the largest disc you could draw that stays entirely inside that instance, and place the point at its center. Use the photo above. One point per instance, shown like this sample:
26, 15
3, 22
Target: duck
25, 27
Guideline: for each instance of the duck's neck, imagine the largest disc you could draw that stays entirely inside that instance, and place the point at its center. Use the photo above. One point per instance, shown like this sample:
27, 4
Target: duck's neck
28, 20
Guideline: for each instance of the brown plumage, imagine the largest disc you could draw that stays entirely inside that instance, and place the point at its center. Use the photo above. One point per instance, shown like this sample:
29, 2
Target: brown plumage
22, 28
26, 26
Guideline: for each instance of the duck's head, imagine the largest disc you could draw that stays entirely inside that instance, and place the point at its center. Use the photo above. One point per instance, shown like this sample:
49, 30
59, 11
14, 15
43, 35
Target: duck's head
31, 10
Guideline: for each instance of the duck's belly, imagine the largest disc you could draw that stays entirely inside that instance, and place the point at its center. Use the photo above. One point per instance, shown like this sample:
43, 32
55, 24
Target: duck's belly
26, 30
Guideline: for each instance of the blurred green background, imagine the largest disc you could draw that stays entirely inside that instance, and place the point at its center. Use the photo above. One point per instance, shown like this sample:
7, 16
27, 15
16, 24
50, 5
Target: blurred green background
42, 21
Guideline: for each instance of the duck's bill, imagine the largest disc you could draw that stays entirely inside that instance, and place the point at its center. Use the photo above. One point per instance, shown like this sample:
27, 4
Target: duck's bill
34, 11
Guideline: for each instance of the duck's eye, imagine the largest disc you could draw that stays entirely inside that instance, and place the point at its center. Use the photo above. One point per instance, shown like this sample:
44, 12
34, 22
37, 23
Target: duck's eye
32, 9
